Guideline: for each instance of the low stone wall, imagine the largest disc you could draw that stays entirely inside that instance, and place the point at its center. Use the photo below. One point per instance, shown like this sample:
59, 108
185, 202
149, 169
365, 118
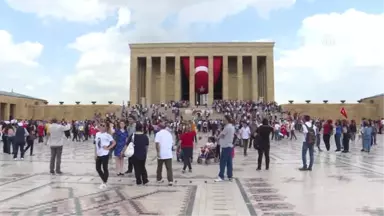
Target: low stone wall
332, 111
72, 112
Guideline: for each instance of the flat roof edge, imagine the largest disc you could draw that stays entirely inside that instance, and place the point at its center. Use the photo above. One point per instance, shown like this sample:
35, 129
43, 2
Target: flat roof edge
201, 44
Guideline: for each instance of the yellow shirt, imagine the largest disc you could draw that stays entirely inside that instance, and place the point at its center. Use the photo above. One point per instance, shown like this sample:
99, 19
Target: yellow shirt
193, 127
47, 127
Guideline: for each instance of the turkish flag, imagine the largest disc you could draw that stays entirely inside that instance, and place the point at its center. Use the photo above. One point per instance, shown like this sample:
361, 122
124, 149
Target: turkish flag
201, 75
201, 72
343, 112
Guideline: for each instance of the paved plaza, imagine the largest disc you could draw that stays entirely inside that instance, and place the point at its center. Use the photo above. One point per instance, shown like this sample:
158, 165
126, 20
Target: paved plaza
340, 184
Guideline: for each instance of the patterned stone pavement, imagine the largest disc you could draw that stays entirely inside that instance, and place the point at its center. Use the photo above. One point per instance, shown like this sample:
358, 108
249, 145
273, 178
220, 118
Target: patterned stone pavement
340, 184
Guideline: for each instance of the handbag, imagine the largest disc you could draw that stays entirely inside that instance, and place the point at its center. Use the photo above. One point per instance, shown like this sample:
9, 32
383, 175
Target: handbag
130, 150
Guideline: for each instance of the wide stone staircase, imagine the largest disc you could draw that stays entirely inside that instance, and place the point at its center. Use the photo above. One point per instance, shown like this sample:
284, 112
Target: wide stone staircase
187, 113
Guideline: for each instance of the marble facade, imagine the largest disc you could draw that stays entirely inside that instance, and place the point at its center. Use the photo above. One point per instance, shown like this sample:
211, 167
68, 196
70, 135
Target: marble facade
247, 71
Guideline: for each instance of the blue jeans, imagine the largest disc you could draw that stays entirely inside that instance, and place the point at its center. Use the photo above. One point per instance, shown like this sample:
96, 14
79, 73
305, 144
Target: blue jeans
318, 141
304, 150
277, 135
226, 161
337, 141
367, 144
11, 143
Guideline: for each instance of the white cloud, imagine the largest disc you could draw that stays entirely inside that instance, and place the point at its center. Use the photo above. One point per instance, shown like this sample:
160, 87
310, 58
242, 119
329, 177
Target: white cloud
124, 17
102, 72
25, 53
340, 57
71, 10
145, 10
19, 66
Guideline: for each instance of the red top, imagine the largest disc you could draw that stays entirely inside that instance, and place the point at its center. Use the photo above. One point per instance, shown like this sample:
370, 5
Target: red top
40, 130
327, 129
92, 130
187, 139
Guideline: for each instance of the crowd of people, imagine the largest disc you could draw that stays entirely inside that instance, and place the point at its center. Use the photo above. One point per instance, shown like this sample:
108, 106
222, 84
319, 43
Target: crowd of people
245, 124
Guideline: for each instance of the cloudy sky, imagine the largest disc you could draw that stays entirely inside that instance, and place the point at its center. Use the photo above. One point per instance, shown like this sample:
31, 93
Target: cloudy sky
70, 50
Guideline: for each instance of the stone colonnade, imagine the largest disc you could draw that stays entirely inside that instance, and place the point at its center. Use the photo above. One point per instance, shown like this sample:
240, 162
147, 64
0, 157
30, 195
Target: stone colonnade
156, 71
5, 111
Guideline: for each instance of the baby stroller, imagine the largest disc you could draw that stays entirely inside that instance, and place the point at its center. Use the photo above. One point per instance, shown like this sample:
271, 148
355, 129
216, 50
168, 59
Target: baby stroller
207, 154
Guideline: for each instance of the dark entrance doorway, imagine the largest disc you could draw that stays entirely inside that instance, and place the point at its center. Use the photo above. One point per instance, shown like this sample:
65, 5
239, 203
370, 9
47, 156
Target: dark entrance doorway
2, 112
12, 110
184, 83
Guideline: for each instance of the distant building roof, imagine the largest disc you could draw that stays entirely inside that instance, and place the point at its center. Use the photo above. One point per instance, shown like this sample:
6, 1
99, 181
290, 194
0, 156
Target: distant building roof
379, 95
14, 94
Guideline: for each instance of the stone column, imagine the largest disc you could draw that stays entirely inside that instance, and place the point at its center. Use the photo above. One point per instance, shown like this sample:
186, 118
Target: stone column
7, 111
270, 78
177, 79
264, 82
255, 79
240, 77
225, 78
192, 81
211, 88
163, 77
148, 81
133, 81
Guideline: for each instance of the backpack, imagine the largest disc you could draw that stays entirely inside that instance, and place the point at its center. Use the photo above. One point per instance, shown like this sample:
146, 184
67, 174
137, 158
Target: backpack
310, 138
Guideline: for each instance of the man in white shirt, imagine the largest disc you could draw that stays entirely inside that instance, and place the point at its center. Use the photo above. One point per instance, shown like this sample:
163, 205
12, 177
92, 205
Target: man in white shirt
55, 140
164, 143
245, 134
277, 131
309, 130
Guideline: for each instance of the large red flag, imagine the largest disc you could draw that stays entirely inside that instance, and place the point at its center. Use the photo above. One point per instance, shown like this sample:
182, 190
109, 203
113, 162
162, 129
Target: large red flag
343, 112
201, 72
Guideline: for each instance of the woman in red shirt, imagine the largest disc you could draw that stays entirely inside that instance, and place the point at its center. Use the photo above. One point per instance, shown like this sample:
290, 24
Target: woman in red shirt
92, 131
327, 132
40, 132
186, 143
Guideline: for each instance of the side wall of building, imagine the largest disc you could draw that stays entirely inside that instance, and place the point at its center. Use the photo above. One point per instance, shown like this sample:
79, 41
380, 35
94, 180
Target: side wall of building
332, 111
22, 107
378, 102
73, 112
